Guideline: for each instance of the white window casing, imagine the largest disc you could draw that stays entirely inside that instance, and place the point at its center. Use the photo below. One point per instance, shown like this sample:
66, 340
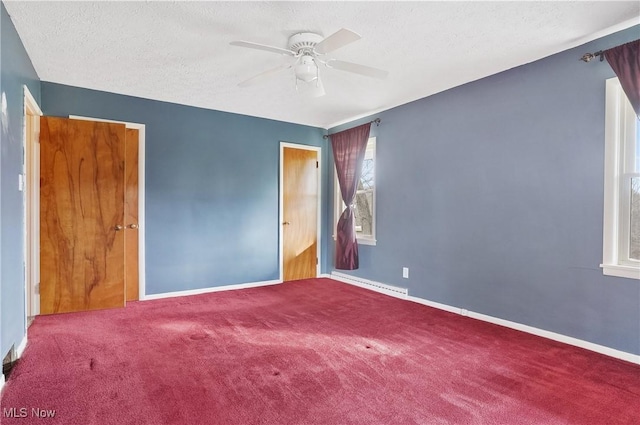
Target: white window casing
621, 166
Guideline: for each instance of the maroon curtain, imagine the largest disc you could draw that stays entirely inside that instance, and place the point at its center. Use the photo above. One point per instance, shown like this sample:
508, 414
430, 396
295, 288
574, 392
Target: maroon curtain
349, 147
625, 61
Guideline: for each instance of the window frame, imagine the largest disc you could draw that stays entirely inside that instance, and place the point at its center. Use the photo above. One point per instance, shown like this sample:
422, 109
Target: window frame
620, 138
339, 205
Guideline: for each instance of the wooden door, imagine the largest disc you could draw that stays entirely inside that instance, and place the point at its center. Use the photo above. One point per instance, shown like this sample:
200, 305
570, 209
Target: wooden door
131, 215
81, 215
300, 213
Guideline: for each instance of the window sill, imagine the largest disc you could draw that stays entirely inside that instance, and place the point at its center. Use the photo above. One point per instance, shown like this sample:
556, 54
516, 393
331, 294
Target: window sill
621, 271
367, 241
362, 241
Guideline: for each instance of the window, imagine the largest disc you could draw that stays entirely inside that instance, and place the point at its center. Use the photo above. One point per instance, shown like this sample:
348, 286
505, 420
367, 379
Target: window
364, 206
621, 251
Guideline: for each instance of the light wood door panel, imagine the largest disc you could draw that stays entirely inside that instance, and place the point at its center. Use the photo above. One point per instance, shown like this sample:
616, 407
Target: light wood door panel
81, 203
131, 215
300, 213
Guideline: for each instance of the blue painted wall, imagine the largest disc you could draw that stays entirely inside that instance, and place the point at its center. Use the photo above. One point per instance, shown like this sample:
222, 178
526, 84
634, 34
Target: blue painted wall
492, 194
211, 186
15, 71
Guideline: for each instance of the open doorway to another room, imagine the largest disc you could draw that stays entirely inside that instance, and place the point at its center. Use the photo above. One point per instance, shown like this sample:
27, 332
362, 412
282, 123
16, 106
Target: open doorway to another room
31, 190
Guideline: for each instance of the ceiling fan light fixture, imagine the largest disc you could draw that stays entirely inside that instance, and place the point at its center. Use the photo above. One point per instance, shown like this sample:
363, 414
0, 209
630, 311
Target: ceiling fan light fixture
306, 69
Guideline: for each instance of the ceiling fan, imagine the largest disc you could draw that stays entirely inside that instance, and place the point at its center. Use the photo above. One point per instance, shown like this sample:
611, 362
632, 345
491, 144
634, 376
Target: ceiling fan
308, 51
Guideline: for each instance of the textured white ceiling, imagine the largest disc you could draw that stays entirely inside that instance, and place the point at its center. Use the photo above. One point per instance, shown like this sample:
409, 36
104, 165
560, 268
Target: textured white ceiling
179, 51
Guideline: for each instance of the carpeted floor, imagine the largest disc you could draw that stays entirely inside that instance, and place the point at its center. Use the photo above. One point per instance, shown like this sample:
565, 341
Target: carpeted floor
307, 352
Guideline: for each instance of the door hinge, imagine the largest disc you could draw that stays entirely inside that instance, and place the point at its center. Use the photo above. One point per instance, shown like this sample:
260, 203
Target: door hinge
37, 288
317, 165
316, 261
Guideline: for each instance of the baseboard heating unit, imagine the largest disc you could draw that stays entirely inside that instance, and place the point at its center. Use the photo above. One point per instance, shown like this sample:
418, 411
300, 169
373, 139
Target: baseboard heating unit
394, 291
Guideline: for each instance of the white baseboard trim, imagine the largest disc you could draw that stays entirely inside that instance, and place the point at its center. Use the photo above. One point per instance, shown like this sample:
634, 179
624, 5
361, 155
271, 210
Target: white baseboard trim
434, 304
607, 351
611, 352
393, 291
602, 349
207, 290
327, 275
21, 347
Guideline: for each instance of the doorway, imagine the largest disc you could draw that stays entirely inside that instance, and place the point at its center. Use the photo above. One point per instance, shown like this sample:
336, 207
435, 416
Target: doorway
300, 211
31, 194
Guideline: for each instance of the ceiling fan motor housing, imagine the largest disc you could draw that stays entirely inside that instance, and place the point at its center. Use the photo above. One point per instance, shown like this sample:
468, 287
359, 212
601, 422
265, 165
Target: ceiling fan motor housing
304, 41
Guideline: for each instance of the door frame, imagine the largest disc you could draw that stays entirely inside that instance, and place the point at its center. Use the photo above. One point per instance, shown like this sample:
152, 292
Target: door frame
317, 149
31, 204
141, 196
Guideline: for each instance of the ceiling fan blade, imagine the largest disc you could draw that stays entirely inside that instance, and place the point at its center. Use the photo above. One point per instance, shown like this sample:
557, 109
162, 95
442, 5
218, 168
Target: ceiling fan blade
338, 39
264, 75
266, 48
358, 69
318, 89
311, 89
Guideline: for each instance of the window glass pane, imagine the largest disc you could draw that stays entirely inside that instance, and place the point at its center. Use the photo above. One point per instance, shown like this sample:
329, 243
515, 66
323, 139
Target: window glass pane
364, 195
634, 239
364, 212
366, 181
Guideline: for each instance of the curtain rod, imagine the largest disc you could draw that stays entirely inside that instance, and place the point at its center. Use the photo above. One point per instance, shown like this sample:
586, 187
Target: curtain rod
377, 121
588, 57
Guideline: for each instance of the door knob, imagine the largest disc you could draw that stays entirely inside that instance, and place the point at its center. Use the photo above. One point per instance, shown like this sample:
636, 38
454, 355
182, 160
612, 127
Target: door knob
133, 226
285, 223
118, 228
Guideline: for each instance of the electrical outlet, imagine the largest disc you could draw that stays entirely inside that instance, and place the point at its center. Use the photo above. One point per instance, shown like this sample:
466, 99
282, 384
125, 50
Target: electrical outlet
405, 272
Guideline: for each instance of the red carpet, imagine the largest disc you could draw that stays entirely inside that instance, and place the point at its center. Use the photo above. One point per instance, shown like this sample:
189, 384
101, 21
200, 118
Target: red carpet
308, 352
